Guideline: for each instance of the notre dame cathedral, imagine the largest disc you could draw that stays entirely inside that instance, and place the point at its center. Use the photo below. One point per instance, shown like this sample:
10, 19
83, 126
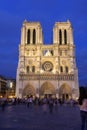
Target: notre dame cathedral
47, 69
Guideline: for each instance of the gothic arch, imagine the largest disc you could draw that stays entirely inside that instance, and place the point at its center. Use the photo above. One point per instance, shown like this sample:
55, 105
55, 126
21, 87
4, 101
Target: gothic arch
65, 37
28, 36
47, 88
28, 91
60, 37
34, 36
65, 91
66, 69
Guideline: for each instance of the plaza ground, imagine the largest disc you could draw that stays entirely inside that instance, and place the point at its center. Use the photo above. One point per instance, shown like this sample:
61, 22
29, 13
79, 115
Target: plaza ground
20, 116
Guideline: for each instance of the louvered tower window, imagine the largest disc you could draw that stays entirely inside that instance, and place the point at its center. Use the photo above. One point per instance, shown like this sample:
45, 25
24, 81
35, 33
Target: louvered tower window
61, 69
66, 69
27, 69
65, 36
34, 36
28, 36
60, 37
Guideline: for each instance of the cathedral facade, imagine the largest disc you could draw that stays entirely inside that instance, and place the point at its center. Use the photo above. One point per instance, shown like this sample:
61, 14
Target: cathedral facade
47, 69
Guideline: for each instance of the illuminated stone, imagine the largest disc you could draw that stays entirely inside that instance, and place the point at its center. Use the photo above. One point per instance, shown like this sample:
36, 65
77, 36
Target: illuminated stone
46, 68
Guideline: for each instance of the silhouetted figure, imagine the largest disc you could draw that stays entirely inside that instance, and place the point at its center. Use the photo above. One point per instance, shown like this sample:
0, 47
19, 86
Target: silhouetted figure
51, 103
3, 103
83, 111
44, 102
29, 101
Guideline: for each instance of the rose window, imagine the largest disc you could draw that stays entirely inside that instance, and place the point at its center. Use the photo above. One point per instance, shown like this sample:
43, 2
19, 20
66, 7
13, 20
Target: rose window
47, 66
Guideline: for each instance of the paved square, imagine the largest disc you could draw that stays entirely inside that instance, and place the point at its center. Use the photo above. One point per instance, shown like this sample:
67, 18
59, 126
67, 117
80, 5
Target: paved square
20, 116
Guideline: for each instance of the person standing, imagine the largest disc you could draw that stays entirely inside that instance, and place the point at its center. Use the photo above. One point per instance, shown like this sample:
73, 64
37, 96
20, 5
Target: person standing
44, 102
4, 101
51, 103
83, 112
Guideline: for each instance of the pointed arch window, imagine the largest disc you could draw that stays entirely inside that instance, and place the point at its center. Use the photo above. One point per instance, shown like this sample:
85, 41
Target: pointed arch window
66, 69
34, 36
28, 36
60, 37
65, 36
27, 69
33, 68
61, 69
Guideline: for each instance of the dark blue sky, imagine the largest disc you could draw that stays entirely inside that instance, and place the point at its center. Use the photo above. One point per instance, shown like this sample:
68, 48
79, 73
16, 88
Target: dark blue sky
47, 12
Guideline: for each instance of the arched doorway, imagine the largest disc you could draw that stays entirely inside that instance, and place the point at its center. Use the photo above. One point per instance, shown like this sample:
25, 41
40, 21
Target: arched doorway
28, 91
65, 92
47, 89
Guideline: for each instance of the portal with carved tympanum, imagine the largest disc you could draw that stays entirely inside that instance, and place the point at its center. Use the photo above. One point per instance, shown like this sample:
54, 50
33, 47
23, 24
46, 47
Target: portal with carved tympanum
47, 69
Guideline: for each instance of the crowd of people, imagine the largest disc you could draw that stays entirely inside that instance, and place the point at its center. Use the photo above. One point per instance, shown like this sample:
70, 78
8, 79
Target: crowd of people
48, 103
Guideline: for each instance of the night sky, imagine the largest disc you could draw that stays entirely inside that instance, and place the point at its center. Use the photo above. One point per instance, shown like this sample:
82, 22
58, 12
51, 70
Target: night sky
47, 12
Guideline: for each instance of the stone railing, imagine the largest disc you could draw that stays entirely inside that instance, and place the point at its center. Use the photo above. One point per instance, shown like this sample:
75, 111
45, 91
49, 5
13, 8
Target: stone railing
46, 77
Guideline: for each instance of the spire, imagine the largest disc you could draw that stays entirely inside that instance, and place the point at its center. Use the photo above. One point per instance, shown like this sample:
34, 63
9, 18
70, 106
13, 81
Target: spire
25, 21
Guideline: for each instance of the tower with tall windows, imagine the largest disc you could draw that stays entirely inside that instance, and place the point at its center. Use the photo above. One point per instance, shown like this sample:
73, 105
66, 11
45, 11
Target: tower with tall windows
47, 69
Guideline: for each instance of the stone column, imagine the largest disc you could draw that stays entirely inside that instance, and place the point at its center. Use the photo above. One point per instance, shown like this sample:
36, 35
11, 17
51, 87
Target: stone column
68, 36
31, 36
62, 36
55, 35
37, 35
40, 36
26, 35
23, 35
71, 36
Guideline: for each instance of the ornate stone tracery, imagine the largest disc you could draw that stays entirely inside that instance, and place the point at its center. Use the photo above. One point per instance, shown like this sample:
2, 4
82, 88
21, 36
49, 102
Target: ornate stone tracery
47, 66
51, 65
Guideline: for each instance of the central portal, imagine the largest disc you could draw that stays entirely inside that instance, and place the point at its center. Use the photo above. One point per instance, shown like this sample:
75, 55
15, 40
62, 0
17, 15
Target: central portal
47, 89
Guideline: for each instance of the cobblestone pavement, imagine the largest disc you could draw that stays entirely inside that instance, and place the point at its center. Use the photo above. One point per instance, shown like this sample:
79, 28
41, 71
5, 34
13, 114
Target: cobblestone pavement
20, 116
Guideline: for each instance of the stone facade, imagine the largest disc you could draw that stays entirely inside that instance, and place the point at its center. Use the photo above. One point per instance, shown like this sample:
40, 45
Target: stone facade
47, 69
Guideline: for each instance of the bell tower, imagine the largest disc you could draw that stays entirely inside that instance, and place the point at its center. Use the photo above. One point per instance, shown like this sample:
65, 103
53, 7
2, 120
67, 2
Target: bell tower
65, 51
29, 52
62, 33
47, 69
31, 33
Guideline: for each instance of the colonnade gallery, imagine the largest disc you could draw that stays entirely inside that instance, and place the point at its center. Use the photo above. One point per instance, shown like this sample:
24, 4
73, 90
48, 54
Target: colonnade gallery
47, 69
